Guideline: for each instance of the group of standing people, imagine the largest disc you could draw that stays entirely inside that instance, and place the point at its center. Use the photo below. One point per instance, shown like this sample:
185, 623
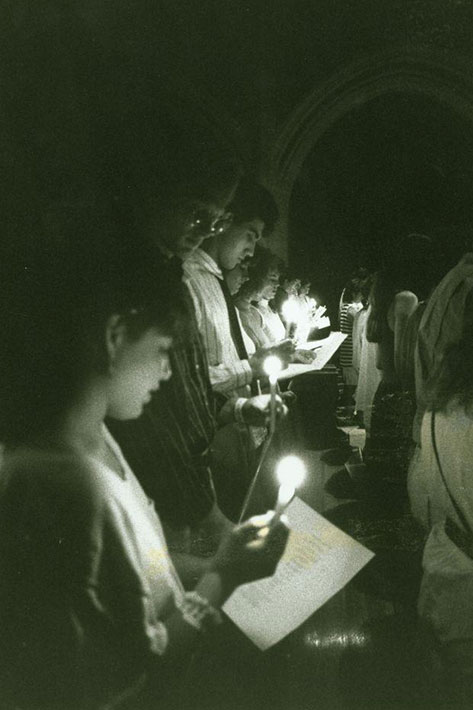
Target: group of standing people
417, 337
122, 363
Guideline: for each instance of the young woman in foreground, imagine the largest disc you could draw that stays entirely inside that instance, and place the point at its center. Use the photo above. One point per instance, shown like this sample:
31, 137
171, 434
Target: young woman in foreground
91, 608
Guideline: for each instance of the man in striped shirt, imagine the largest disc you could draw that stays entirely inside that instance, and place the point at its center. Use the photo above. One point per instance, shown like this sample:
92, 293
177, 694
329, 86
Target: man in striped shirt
234, 365
168, 446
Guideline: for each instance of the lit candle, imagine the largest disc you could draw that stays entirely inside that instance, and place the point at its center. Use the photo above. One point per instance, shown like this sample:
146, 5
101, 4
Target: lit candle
290, 311
272, 367
290, 472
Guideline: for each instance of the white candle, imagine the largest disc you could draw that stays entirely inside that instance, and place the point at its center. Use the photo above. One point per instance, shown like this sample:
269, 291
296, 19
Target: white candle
290, 311
272, 366
285, 494
290, 472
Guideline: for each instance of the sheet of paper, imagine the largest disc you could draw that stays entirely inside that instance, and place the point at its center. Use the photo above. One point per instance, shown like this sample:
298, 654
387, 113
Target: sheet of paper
318, 562
324, 350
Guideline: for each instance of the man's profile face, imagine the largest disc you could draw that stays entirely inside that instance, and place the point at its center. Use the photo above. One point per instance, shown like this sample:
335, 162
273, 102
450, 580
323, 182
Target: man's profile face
237, 277
238, 242
291, 286
304, 289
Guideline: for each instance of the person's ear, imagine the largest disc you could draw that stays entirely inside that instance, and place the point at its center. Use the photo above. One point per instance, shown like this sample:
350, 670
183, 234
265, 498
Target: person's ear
115, 338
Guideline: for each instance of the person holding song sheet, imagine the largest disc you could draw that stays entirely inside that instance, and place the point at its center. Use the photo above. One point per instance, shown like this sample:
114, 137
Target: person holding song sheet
233, 370
92, 611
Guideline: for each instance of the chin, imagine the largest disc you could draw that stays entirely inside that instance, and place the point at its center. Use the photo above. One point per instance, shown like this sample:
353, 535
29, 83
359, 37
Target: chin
127, 413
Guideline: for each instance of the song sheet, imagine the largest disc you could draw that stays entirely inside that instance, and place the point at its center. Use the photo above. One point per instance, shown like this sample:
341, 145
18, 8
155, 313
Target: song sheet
318, 562
324, 349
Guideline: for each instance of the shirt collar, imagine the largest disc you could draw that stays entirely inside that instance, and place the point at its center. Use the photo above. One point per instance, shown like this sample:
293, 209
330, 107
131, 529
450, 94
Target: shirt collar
202, 261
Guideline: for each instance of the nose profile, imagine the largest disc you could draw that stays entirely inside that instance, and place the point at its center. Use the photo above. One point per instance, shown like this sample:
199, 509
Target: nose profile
166, 373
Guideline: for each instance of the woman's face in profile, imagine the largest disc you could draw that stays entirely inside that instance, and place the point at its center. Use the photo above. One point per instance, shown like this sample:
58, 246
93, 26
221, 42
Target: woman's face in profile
271, 283
137, 370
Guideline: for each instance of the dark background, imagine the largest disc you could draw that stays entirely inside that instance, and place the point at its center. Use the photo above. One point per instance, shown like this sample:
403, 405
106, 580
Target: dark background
398, 162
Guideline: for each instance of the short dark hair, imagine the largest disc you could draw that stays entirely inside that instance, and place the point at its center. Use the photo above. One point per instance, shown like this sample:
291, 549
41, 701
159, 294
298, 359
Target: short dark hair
53, 317
253, 201
258, 269
412, 267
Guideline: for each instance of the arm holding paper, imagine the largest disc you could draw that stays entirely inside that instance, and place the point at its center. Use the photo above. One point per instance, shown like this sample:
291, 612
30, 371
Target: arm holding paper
318, 562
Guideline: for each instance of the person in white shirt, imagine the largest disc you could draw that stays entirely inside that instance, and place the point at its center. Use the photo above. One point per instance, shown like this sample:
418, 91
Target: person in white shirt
263, 282
90, 602
233, 370
254, 214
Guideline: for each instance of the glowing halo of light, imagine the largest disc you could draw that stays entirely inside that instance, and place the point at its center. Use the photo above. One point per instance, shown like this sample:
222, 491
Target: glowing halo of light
290, 471
290, 310
272, 366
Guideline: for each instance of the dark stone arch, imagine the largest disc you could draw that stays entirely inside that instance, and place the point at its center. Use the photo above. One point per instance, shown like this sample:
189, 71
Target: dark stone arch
441, 77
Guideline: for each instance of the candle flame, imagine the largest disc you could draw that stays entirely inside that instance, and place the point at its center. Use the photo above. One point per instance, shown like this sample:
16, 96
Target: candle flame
272, 365
290, 471
290, 310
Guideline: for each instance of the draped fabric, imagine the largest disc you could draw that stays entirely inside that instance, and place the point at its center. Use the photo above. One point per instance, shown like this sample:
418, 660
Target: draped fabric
446, 594
441, 326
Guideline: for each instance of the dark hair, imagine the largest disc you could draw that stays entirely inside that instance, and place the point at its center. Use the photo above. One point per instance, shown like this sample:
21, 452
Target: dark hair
53, 314
288, 274
454, 375
259, 267
253, 201
358, 283
411, 268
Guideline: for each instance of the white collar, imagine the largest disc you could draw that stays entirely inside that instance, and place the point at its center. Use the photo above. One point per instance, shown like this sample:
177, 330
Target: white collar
199, 259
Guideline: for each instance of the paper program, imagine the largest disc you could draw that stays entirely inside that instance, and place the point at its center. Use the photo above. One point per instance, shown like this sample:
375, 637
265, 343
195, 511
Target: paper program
318, 562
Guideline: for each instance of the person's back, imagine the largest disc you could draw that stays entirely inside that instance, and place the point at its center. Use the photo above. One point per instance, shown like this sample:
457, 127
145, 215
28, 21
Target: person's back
440, 326
84, 566
441, 497
405, 355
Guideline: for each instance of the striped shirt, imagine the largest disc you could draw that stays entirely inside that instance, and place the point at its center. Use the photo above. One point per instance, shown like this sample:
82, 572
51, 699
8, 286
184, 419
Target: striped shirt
347, 314
166, 447
229, 375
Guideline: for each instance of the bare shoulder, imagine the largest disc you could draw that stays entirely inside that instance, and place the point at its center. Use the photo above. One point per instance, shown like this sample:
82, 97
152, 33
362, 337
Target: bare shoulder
404, 303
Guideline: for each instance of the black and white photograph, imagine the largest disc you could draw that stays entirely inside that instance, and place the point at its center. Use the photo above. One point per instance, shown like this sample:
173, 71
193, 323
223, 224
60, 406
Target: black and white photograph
236, 354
